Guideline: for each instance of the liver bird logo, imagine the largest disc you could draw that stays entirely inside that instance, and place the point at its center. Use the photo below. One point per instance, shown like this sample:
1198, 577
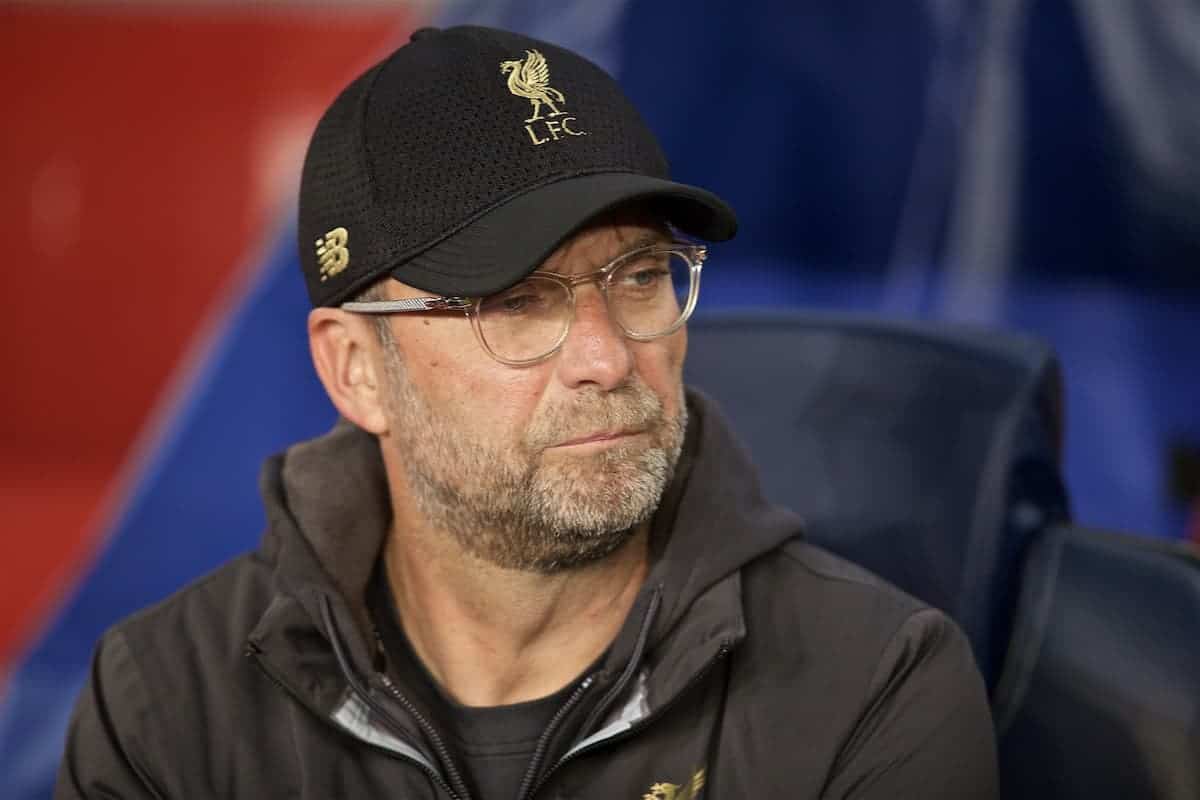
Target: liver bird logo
674, 791
530, 79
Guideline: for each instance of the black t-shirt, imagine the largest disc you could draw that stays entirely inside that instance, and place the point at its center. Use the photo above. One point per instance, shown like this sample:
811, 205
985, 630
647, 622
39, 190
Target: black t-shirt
491, 745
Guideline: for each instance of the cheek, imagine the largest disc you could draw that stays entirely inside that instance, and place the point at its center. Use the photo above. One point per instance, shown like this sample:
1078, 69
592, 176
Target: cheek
466, 388
660, 366
494, 402
677, 345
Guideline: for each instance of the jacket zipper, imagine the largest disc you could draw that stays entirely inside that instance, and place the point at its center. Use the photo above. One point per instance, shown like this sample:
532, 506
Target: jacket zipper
627, 674
638, 726
443, 752
456, 788
255, 652
539, 751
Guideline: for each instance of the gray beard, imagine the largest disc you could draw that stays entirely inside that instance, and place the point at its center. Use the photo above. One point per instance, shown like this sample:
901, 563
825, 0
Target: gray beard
514, 509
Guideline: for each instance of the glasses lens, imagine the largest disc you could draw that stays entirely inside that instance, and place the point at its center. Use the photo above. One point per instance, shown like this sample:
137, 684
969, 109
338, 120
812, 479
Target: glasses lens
525, 321
649, 293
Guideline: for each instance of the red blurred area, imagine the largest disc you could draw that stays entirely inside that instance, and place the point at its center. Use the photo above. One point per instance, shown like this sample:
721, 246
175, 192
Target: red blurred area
147, 152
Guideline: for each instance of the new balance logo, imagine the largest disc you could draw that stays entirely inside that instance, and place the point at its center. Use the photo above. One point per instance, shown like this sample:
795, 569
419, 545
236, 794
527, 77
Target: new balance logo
332, 253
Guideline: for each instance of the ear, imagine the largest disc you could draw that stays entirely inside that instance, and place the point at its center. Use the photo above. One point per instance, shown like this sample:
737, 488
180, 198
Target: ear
345, 352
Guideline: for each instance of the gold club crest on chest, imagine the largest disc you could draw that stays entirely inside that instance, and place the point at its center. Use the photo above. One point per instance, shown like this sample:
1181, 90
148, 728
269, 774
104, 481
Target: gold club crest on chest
676, 791
530, 78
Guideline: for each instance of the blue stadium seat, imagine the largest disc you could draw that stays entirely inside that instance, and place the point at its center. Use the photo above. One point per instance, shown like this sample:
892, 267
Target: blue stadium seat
1100, 696
930, 454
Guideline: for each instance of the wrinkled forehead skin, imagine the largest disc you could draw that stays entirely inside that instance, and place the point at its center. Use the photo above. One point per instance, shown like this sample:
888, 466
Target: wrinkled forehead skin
633, 225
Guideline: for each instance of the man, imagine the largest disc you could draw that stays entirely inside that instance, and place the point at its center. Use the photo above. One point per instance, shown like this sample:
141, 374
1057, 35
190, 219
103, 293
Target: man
527, 564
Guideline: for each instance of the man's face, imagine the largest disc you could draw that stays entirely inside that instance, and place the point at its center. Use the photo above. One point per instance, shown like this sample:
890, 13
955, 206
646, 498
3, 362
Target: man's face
543, 467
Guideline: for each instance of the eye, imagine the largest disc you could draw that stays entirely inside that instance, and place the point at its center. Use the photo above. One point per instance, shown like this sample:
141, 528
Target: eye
517, 302
645, 276
649, 277
533, 297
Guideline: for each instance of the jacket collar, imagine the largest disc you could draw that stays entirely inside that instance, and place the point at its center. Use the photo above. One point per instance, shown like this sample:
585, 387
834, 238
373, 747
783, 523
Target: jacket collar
329, 513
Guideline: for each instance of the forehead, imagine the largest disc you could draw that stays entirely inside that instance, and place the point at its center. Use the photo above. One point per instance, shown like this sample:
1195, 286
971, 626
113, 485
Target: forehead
604, 239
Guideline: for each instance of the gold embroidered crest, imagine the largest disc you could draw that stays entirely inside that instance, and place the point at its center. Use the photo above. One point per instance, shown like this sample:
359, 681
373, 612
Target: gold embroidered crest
332, 253
530, 78
675, 791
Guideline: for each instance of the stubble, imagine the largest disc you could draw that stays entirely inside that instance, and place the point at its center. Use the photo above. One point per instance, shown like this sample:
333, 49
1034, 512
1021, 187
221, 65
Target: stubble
520, 507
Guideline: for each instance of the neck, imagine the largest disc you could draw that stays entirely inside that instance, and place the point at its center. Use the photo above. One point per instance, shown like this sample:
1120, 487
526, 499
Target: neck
534, 632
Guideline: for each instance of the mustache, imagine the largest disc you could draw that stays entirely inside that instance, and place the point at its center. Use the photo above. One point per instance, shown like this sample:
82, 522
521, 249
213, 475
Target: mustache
632, 407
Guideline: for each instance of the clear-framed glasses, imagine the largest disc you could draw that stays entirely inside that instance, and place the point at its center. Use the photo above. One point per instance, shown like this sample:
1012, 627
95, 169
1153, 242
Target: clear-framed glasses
650, 292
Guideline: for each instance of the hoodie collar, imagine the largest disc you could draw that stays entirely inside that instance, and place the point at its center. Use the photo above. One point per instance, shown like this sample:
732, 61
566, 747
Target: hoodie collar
329, 514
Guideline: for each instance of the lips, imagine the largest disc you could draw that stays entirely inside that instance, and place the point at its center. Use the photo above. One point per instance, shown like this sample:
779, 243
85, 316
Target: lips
601, 436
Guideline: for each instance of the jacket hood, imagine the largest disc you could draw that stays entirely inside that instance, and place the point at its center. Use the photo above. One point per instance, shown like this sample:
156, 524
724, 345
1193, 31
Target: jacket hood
328, 510
713, 519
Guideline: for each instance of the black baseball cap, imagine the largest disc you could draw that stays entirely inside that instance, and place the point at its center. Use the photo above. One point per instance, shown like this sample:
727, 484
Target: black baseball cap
461, 161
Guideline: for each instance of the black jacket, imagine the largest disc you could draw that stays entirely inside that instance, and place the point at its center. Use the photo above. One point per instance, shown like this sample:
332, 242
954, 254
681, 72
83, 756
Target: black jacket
752, 665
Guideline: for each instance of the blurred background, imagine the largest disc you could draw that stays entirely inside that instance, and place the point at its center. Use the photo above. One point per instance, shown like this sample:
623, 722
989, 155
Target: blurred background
1031, 165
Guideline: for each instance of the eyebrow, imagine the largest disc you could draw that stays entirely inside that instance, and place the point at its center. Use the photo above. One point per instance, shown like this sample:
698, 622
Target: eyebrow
647, 239
639, 242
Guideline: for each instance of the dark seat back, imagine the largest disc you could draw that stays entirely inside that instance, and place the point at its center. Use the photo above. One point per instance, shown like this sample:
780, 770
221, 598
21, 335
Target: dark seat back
1100, 696
926, 453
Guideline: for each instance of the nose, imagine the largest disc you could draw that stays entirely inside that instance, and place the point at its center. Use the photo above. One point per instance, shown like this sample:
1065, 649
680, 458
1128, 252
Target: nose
595, 351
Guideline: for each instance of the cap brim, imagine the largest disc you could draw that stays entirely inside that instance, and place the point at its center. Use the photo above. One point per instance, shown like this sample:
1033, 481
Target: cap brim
508, 242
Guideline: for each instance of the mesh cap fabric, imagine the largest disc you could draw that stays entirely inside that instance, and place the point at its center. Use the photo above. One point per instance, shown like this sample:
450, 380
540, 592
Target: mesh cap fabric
461, 161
